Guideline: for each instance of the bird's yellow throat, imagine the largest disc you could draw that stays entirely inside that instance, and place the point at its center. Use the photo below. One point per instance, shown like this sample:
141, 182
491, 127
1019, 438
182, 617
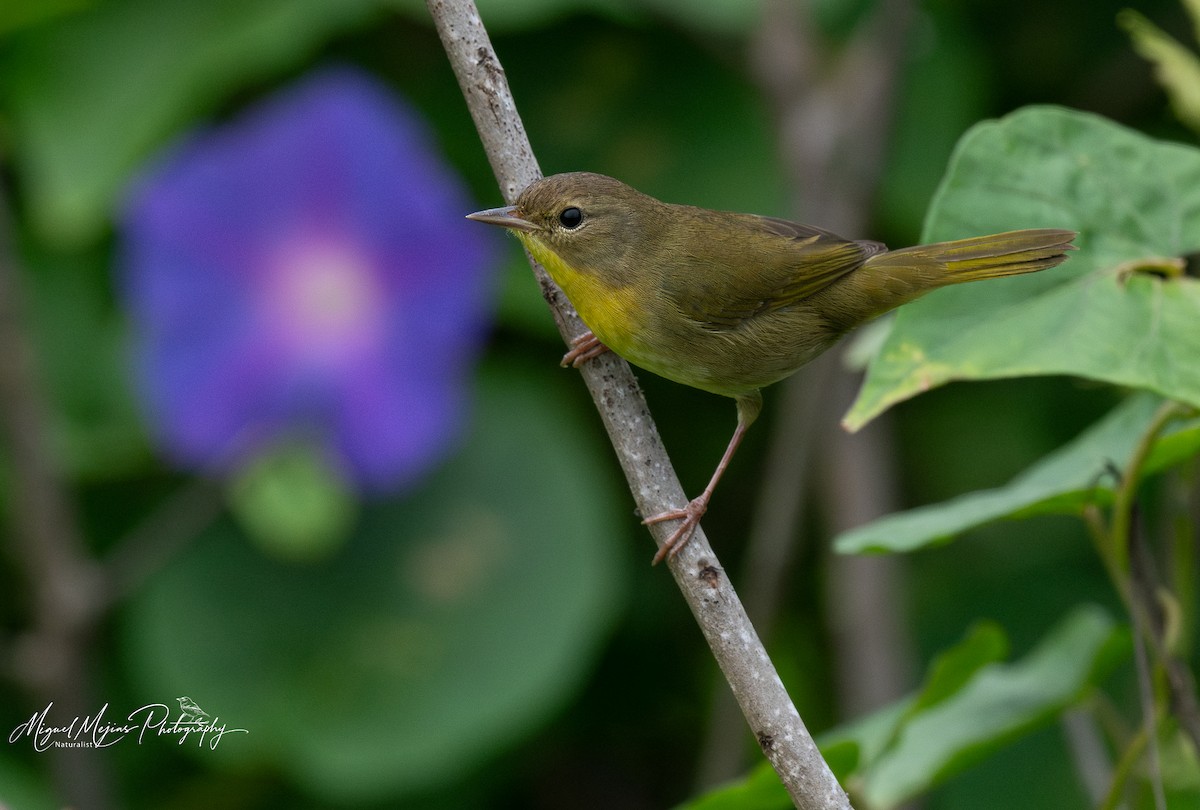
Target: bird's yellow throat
609, 311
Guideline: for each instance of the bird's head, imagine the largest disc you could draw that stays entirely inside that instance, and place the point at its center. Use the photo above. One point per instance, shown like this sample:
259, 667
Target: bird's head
590, 222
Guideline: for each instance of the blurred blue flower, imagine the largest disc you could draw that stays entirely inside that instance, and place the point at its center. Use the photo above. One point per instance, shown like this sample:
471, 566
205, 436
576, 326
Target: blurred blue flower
306, 271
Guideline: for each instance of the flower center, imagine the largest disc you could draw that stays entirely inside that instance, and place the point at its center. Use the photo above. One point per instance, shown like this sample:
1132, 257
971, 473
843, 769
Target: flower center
326, 300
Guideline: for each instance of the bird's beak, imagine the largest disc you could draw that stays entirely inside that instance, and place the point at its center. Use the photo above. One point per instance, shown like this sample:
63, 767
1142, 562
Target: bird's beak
505, 217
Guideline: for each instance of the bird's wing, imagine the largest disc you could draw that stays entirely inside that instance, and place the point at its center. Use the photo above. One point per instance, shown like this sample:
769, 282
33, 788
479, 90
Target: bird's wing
780, 264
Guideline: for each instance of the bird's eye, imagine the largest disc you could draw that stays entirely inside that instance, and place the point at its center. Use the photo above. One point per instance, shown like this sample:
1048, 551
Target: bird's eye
570, 217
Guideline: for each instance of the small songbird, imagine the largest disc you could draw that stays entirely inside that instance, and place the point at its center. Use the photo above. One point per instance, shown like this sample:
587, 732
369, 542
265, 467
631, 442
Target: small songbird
725, 302
189, 711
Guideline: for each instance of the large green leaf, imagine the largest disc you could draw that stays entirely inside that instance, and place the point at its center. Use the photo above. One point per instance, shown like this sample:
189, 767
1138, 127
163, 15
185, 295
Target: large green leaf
90, 96
1061, 483
996, 705
970, 705
451, 622
1132, 199
951, 671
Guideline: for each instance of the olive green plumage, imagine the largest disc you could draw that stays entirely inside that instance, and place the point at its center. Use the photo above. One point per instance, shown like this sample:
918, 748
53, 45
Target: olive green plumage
727, 302
731, 302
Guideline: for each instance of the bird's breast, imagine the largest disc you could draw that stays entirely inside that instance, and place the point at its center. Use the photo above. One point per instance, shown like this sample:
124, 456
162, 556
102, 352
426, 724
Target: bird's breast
646, 325
615, 314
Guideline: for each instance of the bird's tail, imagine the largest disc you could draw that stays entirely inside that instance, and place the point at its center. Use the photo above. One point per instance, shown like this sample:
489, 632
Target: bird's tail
980, 257
908, 273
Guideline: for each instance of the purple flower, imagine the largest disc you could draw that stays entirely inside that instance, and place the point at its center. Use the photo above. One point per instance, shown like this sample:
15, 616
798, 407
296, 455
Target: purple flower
306, 271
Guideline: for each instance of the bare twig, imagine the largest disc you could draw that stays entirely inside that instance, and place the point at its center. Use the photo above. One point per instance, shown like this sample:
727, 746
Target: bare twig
865, 605
51, 658
1128, 484
1127, 557
1146, 592
1149, 716
1125, 768
773, 719
1139, 584
1089, 753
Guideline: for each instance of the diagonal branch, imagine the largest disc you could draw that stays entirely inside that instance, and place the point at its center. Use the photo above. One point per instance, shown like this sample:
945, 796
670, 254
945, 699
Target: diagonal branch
52, 659
740, 654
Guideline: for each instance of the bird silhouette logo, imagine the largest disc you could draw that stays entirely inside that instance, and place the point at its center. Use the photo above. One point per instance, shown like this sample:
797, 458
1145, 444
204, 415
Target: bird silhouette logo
190, 712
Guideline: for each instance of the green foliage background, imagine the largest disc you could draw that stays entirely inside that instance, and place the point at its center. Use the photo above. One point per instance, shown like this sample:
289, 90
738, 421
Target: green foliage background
495, 639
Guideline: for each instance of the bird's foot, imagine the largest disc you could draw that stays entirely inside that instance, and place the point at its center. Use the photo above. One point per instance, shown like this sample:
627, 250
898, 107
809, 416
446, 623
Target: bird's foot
690, 515
583, 348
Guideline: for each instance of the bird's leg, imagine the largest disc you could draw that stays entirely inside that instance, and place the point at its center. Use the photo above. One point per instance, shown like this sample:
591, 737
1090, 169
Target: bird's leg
691, 514
583, 348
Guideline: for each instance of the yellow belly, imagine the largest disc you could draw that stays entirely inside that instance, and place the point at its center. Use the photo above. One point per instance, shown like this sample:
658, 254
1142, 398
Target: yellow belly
623, 319
612, 313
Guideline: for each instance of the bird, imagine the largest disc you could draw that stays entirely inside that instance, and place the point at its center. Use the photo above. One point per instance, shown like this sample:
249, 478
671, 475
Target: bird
727, 302
189, 711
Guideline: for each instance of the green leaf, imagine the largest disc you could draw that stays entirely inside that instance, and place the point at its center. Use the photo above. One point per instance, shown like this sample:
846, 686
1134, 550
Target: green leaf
953, 669
452, 621
761, 790
969, 705
91, 96
1134, 200
293, 503
1177, 68
1180, 761
867, 737
1062, 482
998, 704
873, 735
850, 749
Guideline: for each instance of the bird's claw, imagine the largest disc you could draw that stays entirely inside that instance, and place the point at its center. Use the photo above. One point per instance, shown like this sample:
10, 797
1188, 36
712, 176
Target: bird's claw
690, 515
583, 348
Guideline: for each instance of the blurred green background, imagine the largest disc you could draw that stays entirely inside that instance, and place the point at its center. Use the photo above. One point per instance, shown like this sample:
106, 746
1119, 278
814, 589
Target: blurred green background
563, 671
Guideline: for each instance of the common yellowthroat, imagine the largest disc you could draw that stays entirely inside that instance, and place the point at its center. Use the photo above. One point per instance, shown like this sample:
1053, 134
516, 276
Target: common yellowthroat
727, 302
